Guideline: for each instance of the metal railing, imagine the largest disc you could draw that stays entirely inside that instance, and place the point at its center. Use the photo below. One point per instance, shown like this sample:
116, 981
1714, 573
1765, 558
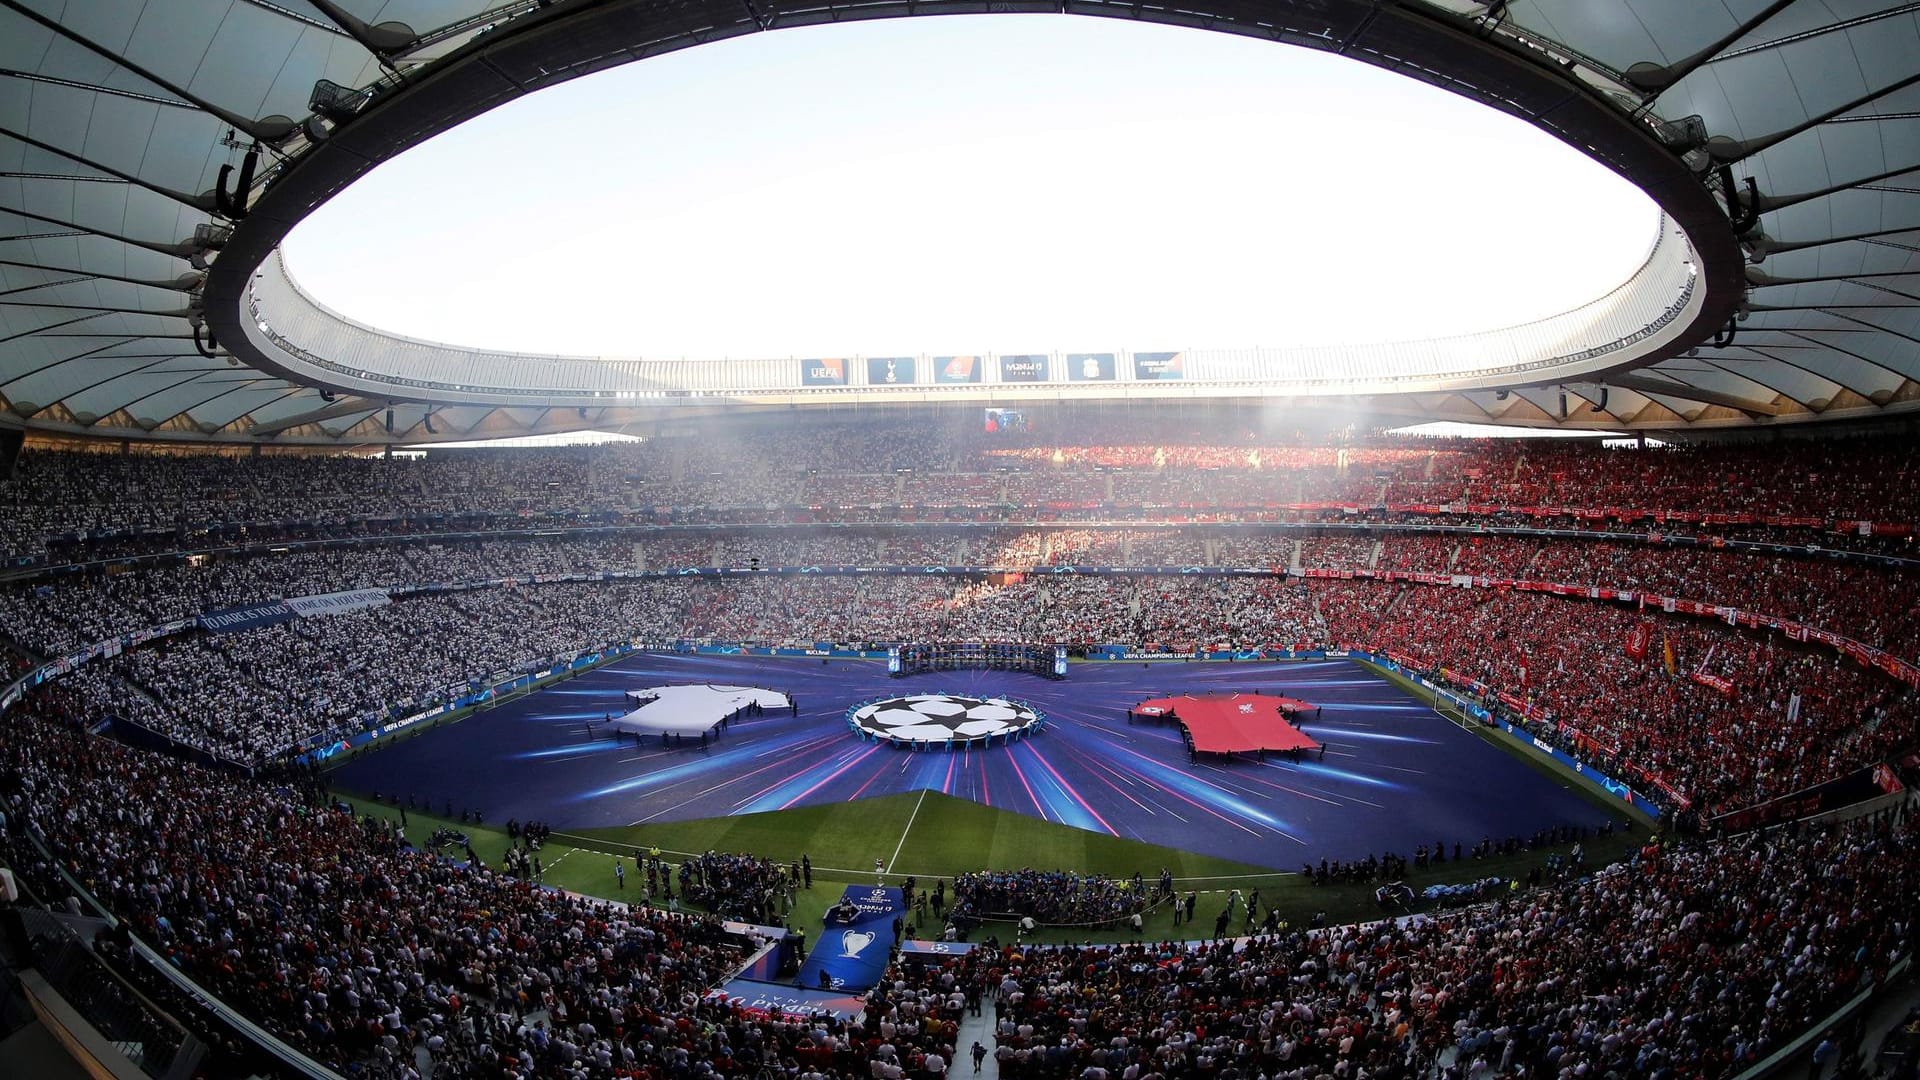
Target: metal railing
173, 981
137, 1028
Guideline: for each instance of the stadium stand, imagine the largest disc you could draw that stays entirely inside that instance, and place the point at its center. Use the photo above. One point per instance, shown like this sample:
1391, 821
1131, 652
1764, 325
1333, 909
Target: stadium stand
212, 589
1727, 945
63, 500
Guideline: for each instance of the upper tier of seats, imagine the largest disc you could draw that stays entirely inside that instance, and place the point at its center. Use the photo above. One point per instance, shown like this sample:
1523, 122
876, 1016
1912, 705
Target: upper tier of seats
855, 473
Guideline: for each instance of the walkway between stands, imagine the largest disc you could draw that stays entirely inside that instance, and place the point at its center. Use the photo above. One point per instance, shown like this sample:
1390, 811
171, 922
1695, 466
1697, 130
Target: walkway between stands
976, 1029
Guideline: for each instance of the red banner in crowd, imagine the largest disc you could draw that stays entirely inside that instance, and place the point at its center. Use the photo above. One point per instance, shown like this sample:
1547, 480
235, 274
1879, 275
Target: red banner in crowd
1714, 682
1638, 639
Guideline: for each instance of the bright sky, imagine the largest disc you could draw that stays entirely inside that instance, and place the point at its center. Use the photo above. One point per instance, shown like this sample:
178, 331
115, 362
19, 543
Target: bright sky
973, 184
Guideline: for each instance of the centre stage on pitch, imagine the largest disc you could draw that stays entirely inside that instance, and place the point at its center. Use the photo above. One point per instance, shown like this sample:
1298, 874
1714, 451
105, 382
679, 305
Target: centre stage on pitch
944, 720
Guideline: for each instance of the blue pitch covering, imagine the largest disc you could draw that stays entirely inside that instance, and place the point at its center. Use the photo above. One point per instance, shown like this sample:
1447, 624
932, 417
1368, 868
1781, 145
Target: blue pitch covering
853, 954
1395, 774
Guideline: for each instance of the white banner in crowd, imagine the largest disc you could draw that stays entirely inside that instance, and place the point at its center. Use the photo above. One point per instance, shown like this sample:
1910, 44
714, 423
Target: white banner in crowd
338, 603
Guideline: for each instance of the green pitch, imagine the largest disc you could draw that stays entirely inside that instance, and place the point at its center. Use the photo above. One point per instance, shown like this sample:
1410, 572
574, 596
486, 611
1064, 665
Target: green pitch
930, 836
925, 834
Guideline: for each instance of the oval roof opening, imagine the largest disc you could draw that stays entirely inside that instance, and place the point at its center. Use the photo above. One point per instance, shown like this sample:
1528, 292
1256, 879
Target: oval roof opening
968, 184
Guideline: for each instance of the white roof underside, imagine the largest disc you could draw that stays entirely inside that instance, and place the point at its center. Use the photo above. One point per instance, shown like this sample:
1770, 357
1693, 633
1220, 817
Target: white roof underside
114, 116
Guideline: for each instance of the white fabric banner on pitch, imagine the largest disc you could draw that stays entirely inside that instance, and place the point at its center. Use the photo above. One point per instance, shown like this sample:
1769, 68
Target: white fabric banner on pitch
690, 710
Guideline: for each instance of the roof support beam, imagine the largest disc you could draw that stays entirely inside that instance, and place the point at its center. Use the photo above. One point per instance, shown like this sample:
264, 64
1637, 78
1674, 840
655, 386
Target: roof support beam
1818, 31
1875, 328
1781, 202
1897, 246
38, 368
75, 84
382, 41
288, 391
176, 251
143, 337
1821, 375
56, 326
46, 285
272, 129
192, 374
291, 390
1748, 331
303, 20
202, 203
1655, 78
68, 235
1871, 327
314, 416
1820, 307
185, 283
177, 314
1674, 387
1888, 291
1760, 279
96, 384
1721, 367
1771, 247
239, 385
1867, 360
71, 178
1726, 151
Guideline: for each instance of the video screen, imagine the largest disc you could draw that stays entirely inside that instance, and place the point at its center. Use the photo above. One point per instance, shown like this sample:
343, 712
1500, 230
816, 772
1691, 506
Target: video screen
1005, 421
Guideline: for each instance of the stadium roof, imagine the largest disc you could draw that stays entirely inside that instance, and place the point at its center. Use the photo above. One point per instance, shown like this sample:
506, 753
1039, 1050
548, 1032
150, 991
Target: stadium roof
152, 155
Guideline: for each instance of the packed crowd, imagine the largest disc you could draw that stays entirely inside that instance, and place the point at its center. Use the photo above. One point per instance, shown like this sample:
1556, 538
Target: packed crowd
351, 946
1685, 961
1763, 717
1863, 600
747, 887
248, 697
1691, 958
854, 473
1784, 717
1057, 897
359, 949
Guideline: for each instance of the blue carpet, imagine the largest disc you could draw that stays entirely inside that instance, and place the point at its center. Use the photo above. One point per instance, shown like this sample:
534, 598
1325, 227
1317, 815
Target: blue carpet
1395, 774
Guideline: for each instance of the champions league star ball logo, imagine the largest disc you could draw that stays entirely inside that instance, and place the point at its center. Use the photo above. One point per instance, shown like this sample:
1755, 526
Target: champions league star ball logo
941, 718
853, 942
